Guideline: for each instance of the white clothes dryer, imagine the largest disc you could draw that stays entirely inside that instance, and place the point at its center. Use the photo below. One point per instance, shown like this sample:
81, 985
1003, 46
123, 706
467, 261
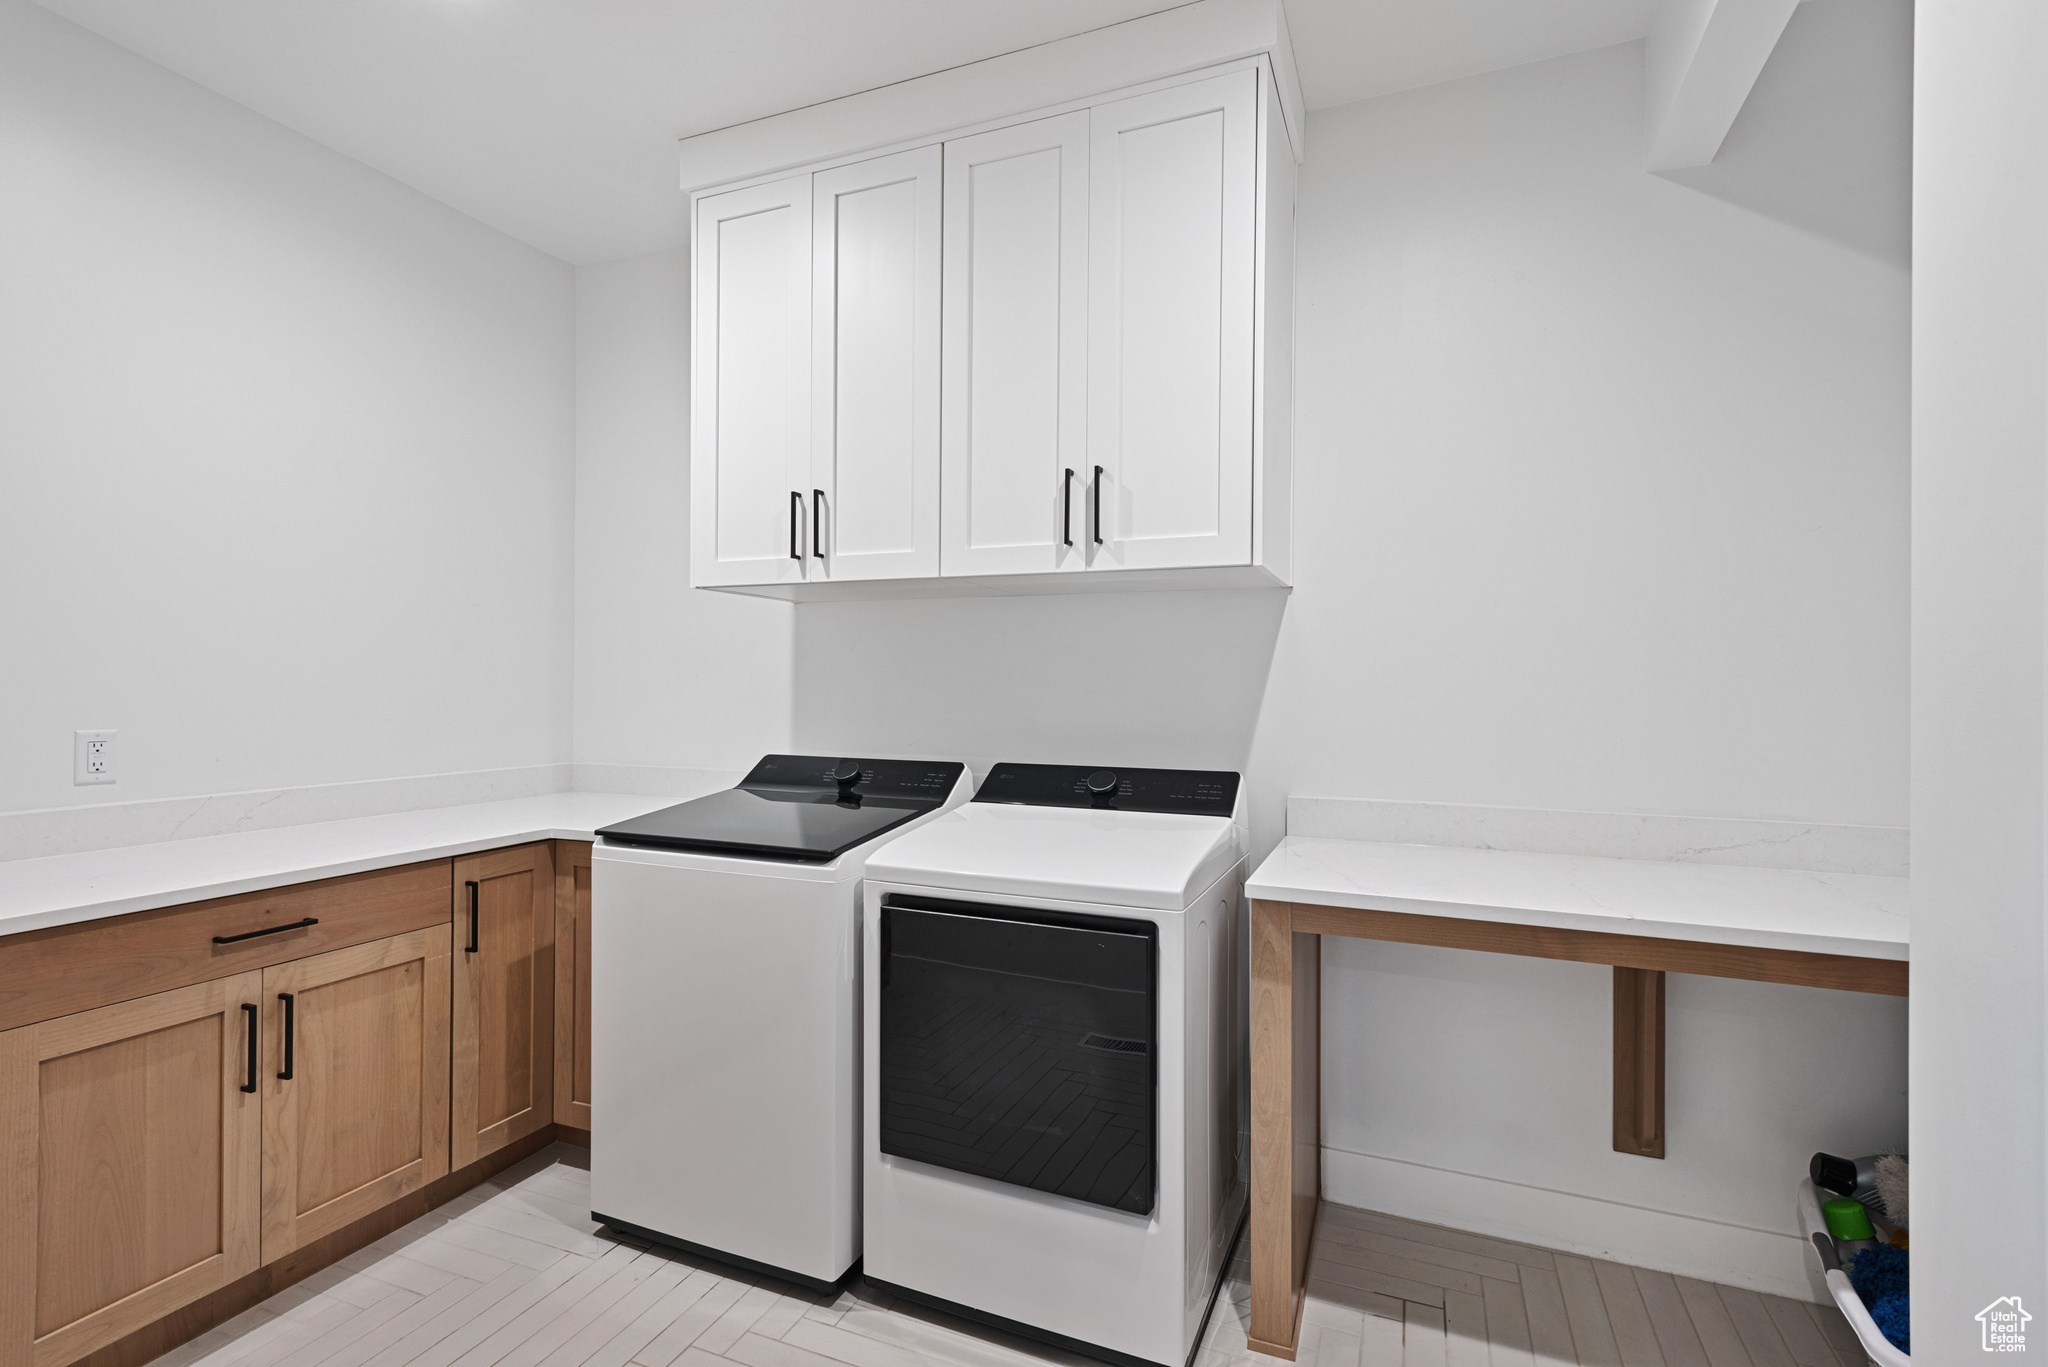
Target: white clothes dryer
725, 1010
1054, 1037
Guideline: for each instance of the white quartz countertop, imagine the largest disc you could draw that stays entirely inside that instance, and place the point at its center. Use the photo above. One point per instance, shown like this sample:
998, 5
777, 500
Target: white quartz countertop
1864, 915
63, 888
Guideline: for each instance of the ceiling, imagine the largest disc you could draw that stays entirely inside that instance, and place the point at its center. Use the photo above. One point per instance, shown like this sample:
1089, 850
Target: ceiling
556, 122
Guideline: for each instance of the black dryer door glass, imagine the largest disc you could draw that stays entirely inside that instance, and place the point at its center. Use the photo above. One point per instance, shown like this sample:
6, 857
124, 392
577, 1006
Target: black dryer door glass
1021, 1046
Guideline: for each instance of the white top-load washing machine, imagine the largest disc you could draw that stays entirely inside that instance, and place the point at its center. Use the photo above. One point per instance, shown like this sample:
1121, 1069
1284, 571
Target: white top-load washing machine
1053, 1041
725, 1010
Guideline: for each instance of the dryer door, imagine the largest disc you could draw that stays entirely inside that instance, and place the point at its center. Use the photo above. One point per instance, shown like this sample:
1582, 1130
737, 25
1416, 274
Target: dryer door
1021, 1046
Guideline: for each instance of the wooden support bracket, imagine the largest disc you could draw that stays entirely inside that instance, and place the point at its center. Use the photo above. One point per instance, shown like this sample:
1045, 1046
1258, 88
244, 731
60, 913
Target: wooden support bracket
1639, 1061
1287, 1152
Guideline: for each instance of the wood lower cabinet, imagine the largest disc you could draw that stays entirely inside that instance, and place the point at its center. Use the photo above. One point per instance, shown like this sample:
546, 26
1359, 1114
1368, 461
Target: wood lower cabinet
130, 1166
156, 1150
504, 999
355, 1083
572, 983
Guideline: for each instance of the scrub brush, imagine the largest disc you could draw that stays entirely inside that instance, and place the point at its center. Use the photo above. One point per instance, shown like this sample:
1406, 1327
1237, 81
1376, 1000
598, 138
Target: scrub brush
1890, 1178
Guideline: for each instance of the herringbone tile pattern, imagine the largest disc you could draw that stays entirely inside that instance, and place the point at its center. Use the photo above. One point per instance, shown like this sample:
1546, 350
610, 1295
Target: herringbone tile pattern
515, 1274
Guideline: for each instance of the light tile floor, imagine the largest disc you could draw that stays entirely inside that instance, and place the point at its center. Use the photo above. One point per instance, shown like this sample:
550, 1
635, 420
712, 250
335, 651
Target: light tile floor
514, 1274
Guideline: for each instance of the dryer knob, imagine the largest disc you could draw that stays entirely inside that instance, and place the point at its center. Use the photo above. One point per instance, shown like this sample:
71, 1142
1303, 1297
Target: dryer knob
1102, 781
845, 773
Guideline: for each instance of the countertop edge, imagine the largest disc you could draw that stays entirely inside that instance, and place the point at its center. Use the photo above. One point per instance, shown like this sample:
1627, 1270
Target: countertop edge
1747, 937
174, 894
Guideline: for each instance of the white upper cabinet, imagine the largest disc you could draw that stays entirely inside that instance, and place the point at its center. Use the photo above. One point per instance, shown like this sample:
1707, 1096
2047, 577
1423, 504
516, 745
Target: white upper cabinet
750, 391
875, 368
1173, 216
1044, 354
1015, 466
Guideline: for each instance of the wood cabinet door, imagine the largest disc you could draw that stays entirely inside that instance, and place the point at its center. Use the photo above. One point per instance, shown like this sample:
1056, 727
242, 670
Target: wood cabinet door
1172, 207
572, 983
1014, 451
130, 1166
750, 385
875, 368
355, 1083
503, 1029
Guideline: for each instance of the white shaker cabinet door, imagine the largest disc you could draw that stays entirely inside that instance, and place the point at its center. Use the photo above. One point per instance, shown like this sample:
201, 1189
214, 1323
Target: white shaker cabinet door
1173, 194
750, 426
1016, 349
875, 393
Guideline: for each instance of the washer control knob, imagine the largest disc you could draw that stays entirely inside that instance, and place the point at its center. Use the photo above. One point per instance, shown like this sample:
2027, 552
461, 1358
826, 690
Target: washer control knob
846, 773
1102, 782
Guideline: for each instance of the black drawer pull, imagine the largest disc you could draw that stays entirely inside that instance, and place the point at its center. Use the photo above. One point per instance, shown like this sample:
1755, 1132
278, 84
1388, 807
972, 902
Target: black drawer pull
250, 1085
796, 513
470, 948
817, 522
286, 998
1098, 505
267, 930
1067, 510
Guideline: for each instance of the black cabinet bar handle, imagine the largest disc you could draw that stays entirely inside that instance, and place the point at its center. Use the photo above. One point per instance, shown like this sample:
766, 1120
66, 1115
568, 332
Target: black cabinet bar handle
470, 948
250, 1009
286, 998
267, 930
1067, 510
1098, 505
817, 521
796, 514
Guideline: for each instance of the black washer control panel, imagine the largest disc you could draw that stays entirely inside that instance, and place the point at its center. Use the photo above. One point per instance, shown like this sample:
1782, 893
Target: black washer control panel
1182, 792
921, 780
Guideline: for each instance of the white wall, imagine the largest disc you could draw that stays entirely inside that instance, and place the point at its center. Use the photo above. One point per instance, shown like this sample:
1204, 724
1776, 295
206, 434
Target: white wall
665, 676
285, 450
1601, 504
1980, 535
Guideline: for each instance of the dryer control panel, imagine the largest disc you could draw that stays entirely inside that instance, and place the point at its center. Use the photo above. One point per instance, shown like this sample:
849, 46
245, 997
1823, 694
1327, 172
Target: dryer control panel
1181, 792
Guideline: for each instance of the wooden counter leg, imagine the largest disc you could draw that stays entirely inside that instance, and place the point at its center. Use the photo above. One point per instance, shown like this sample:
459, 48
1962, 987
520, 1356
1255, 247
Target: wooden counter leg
1286, 1063
1638, 1062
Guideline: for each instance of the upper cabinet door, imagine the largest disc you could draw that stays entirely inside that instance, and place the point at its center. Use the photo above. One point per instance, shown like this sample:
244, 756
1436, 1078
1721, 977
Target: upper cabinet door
1016, 372
750, 425
1173, 195
875, 334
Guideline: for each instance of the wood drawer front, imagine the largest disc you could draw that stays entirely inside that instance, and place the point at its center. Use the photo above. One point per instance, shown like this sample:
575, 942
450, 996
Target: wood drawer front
50, 973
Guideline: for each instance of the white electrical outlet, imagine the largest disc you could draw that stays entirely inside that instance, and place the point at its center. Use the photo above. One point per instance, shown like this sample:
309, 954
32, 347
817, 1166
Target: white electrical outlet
92, 757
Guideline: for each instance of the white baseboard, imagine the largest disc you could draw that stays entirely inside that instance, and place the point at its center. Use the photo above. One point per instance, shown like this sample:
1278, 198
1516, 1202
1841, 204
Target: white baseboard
1779, 1264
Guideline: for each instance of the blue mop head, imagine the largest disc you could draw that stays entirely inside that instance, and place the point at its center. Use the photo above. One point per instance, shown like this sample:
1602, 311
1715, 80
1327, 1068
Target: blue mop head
1879, 1275
1877, 1272
1891, 1315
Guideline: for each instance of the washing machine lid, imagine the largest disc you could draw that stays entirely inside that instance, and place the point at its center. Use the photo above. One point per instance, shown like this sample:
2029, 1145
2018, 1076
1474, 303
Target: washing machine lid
1028, 834
810, 808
